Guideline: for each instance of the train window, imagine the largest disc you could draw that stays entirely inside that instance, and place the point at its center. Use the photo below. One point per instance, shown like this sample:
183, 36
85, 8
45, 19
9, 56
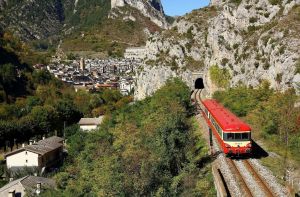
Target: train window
230, 136
237, 136
217, 127
206, 112
245, 136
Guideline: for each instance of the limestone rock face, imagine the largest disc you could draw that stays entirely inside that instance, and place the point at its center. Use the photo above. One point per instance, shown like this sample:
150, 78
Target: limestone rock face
254, 40
34, 19
149, 8
152, 78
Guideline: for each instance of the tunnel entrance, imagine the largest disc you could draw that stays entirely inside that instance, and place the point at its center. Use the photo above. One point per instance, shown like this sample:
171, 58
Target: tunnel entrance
199, 84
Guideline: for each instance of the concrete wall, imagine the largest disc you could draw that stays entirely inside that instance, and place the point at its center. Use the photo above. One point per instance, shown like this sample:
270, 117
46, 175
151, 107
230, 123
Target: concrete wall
135, 53
19, 190
88, 127
19, 159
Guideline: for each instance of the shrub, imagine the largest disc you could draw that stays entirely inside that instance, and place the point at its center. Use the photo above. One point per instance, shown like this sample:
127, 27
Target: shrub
248, 7
275, 2
279, 77
224, 61
189, 33
193, 64
266, 65
253, 20
281, 50
237, 2
235, 46
220, 77
297, 70
267, 14
248, 98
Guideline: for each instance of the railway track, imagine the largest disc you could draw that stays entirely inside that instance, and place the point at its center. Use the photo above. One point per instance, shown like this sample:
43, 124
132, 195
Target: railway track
249, 180
238, 175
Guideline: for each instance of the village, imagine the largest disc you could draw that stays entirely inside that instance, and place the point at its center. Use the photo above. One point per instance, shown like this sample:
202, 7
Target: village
93, 74
27, 165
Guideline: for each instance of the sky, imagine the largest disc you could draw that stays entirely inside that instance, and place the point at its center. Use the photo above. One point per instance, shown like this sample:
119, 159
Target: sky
181, 7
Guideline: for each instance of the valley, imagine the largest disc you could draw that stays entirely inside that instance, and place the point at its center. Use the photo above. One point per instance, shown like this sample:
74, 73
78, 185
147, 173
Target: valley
128, 71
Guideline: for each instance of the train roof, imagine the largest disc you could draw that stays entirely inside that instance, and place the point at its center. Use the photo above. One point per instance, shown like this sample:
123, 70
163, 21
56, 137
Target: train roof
226, 119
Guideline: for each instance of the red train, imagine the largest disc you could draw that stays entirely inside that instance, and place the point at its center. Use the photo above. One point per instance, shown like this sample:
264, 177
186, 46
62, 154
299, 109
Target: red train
232, 134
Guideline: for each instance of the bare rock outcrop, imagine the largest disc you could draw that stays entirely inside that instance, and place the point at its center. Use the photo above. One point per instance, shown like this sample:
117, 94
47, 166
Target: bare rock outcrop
255, 40
149, 8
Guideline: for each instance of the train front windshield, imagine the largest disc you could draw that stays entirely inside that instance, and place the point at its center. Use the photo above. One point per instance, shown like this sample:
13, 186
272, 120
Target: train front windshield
236, 136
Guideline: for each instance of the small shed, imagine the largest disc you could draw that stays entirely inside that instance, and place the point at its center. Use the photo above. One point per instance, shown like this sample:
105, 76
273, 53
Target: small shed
89, 124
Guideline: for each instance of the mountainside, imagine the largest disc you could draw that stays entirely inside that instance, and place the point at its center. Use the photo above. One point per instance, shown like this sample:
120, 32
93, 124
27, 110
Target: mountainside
231, 43
48, 22
149, 8
33, 19
111, 36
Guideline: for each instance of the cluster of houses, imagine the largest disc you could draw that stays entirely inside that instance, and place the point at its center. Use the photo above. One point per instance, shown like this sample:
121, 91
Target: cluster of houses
38, 157
96, 73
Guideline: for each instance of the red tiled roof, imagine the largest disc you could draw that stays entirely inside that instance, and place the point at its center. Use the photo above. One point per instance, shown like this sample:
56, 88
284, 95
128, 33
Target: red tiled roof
226, 119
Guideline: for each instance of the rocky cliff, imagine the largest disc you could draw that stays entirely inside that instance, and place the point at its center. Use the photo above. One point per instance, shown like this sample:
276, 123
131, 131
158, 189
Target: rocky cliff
254, 40
149, 8
32, 19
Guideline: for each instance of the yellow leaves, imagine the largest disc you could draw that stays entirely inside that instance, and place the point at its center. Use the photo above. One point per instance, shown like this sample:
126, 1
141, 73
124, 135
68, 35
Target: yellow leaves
7, 36
220, 77
126, 137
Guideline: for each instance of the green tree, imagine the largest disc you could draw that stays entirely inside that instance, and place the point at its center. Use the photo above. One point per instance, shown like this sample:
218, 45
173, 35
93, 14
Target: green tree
220, 77
67, 112
8, 76
42, 77
46, 119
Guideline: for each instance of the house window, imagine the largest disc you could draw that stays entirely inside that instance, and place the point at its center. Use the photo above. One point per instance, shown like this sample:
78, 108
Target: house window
26, 153
26, 161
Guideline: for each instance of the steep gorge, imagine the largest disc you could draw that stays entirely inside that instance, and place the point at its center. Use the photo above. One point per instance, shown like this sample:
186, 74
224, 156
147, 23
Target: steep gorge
254, 40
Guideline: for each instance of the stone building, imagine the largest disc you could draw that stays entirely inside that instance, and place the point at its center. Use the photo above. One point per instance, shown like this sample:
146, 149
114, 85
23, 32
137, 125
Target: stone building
44, 154
28, 185
90, 124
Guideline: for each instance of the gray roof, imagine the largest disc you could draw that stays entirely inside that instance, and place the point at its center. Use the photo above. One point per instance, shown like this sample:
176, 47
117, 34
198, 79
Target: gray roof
30, 182
91, 121
53, 139
41, 147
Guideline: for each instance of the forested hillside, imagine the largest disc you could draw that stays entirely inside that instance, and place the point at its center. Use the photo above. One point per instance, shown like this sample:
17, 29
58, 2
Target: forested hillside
34, 103
150, 148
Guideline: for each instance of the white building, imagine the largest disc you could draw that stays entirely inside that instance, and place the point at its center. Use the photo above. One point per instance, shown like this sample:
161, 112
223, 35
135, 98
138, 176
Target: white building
43, 154
89, 124
28, 185
126, 86
135, 53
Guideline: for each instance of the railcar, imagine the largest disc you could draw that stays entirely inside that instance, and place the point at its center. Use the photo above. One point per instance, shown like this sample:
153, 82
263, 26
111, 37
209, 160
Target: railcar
232, 134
